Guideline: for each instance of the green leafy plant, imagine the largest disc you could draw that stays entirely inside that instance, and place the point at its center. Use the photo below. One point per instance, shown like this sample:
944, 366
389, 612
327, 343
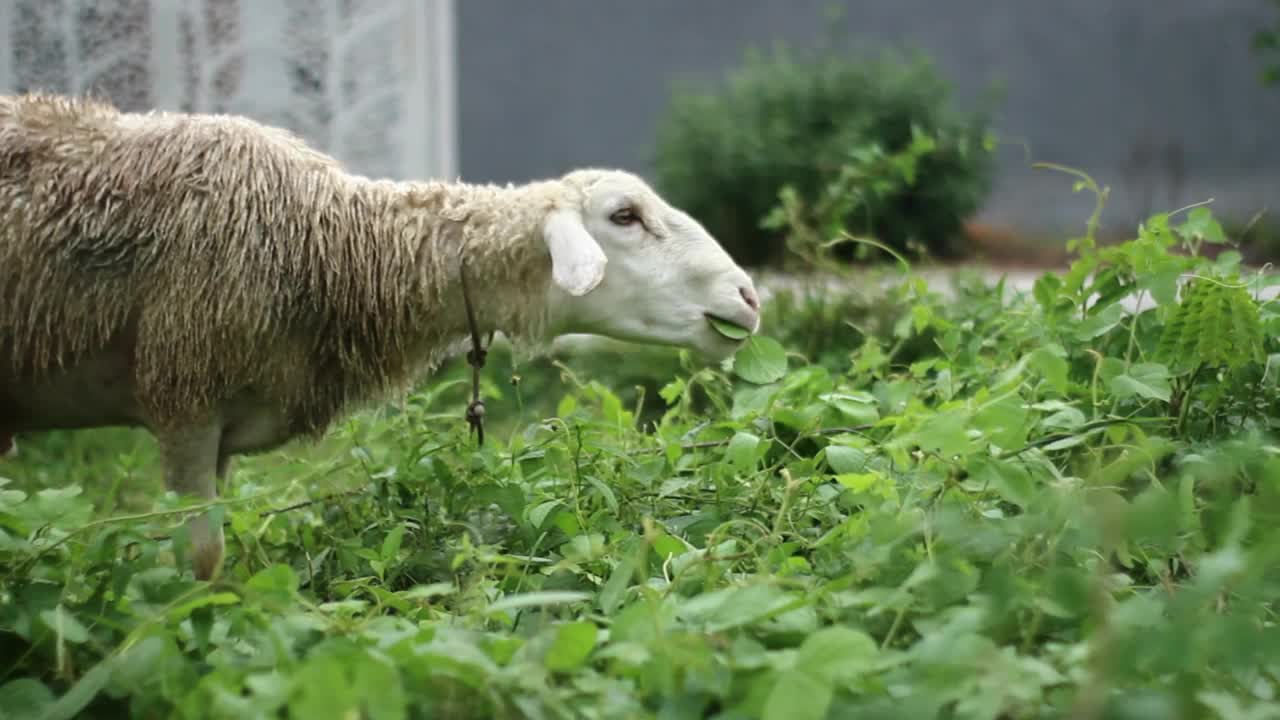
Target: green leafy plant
868, 144
1266, 43
969, 502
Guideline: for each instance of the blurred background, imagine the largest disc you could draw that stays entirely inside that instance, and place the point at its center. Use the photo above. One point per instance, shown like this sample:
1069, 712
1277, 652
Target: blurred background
913, 121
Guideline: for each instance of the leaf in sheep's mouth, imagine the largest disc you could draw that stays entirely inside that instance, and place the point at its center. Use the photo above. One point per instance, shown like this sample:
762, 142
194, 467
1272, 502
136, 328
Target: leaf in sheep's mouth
733, 331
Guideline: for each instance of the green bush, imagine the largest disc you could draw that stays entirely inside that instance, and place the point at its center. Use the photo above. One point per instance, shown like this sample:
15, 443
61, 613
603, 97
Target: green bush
1054, 504
1266, 43
873, 146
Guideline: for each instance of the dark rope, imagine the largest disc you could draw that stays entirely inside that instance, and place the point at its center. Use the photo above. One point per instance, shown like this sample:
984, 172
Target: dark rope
475, 358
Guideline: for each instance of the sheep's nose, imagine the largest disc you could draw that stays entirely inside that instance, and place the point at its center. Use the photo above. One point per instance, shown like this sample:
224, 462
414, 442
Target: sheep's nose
749, 296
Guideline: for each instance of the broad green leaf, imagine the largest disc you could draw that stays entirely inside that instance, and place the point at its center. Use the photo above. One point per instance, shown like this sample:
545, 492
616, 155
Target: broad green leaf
572, 645
1148, 380
452, 657
798, 695
24, 698
611, 406
666, 546
732, 607
60, 507
1100, 322
428, 591
391, 543
761, 361
1217, 567
1003, 422
568, 404
1163, 285
81, 693
1050, 362
1047, 290
222, 598
536, 599
539, 513
1201, 225
1065, 592
676, 485
1154, 704
741, 452
844, 459
946, 433
1228, 261
270, 688
10, 499
1011, 480
860, 408
1153, 518
141, 661
1068, 418
615, 588
672, 391
639, 621
1227, 706
836, 654
322, 689
382, 693
64, 625
873, 483
728, 329
278, 580
585, 547
606, 492
752, 399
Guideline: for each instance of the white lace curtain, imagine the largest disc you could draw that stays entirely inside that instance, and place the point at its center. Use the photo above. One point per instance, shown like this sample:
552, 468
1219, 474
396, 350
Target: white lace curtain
371, 81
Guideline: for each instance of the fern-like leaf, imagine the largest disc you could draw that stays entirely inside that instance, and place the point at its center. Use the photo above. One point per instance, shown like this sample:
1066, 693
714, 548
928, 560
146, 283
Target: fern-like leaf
1216, 324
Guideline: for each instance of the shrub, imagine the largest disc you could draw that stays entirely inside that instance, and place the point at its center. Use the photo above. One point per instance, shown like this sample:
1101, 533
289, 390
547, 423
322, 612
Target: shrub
1266, 43
1056, 504
871, 145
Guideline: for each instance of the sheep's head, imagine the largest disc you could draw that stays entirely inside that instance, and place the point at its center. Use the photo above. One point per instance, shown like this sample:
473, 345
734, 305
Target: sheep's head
628, 265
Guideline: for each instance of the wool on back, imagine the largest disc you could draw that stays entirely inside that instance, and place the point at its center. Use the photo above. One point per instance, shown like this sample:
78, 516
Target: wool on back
202, 240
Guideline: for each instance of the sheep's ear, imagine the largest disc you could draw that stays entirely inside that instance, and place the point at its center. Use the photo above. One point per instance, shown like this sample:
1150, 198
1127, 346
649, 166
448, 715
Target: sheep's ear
577, 262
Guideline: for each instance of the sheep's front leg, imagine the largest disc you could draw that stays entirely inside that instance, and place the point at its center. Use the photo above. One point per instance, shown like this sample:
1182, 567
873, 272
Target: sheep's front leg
192, 465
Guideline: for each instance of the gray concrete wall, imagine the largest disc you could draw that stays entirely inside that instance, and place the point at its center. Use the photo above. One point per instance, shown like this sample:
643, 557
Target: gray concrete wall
553, 84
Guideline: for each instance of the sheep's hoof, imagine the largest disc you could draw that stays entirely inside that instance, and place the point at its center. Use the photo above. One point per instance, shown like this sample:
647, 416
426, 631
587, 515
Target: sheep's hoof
207, 563
207, 548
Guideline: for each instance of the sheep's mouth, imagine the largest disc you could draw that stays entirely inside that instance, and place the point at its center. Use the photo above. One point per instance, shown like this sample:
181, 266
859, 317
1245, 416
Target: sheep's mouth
728, 328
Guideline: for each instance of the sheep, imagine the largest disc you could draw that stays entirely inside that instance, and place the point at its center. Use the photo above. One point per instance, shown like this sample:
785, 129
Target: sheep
228, 288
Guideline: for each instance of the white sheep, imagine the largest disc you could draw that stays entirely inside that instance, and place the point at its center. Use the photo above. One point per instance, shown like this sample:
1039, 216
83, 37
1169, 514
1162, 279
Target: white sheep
228, 288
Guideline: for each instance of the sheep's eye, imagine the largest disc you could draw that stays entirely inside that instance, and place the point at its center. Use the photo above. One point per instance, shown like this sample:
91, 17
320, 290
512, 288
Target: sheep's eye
624, 216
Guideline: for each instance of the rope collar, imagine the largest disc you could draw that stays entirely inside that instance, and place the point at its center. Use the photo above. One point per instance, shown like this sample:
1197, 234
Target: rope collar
475, 358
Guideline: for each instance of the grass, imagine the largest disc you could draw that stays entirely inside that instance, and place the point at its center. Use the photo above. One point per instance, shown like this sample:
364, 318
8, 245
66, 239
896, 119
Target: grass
897, 505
